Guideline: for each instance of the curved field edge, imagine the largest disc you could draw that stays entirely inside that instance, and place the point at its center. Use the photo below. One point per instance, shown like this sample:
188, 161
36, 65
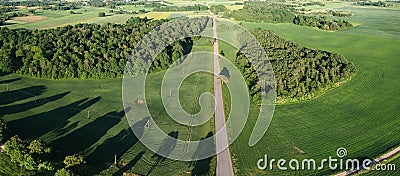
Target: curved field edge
361, 115
315, 95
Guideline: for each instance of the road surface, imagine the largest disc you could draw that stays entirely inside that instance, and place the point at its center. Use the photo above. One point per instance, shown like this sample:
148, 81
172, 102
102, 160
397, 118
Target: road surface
224, 162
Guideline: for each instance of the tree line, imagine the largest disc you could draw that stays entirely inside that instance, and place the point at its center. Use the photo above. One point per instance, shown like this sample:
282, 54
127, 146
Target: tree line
299, 72
80, 51
372, 3
7, 13
325, 12
263, 12
321, 22
282, 13
218, 8
196, 7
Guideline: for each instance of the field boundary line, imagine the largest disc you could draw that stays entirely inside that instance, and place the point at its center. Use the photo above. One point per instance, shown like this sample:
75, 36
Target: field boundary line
379, 159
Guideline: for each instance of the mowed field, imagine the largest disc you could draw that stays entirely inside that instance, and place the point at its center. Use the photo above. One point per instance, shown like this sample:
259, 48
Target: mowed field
87, 117
362, 115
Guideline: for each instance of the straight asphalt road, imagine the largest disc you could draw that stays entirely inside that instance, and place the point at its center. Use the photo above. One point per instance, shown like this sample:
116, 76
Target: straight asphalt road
224, 162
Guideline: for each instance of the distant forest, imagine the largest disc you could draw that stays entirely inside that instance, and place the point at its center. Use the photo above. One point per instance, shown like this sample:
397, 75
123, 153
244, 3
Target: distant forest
7, 13
196, 7
281, 13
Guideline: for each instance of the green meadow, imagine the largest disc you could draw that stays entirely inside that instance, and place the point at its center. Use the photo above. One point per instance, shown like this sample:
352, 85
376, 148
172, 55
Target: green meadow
87, 116
361, 115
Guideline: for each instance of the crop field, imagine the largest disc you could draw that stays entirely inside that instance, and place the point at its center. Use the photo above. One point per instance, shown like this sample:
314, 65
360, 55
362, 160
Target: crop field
361, 115
87, 116
55, 18
157, 15
234, 7
131, 8
91, 112
368, 20
202, 2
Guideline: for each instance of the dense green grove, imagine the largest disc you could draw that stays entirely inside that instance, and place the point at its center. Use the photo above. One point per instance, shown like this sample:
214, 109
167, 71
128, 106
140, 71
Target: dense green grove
281, 13
79, 51
196, 7
32, 155
153, 43
312, 4
141, 11
218, 8
46, 5
62, 6
321, 22
371, 3
28, 3
263, 12
299, 72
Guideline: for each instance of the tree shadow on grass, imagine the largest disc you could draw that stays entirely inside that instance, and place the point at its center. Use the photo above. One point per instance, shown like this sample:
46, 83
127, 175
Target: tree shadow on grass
202, 167
86, 136
8, 97
16, 108
116, 145
65, 129
168, 145
9, 80
131, 164
36, 125
225, 72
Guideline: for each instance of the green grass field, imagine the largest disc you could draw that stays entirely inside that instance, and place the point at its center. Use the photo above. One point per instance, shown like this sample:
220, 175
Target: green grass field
58, 114
86, 14
62, 112
361, 115
55, 18
202, 2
